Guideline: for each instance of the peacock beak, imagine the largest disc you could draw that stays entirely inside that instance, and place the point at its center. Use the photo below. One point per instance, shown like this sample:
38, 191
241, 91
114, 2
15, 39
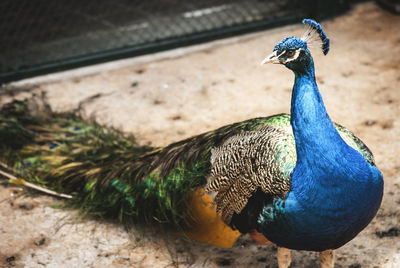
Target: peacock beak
272, 58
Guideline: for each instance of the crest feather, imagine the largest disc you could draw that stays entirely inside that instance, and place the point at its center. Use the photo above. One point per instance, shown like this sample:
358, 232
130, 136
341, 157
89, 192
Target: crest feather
315, 34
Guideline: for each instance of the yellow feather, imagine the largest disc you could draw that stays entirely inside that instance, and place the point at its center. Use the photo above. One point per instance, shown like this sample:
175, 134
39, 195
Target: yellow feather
64, 167
207, 225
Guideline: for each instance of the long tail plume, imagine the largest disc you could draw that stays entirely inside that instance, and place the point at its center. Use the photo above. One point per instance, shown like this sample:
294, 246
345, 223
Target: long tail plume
107, 172
104, 171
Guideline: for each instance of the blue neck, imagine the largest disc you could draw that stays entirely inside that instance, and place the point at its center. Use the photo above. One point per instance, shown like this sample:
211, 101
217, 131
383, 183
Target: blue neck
325, 163
313, 130
334, 192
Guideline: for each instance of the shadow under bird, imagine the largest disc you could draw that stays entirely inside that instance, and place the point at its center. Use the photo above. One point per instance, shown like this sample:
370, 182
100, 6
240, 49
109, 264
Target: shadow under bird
299, 181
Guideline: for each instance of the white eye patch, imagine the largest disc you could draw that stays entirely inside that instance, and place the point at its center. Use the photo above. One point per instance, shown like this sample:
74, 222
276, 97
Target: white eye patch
295, 56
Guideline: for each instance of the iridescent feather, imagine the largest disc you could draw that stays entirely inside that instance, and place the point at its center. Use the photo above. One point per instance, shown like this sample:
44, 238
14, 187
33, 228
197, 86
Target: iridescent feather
110, 175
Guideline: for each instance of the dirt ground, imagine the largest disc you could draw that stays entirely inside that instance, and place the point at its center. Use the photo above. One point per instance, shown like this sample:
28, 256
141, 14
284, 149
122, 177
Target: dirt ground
169, 96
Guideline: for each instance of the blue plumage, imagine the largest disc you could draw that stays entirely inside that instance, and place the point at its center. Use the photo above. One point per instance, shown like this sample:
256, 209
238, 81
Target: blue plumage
290, 43
334, 192
318, 28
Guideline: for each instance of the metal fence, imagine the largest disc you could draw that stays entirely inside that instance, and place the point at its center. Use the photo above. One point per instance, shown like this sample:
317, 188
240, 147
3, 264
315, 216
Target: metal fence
41, 36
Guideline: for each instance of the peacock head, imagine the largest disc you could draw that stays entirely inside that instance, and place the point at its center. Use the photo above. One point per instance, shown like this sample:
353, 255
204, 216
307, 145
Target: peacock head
293, 51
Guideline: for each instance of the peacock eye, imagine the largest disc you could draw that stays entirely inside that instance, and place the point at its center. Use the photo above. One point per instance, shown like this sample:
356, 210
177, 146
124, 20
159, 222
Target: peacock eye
290, 53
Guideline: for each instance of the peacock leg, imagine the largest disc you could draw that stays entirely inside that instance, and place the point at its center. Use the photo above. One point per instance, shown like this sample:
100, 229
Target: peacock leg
327, 259
284, 258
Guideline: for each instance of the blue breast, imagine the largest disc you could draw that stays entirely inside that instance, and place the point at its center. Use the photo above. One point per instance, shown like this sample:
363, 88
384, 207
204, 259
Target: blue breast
328, 214
334, 193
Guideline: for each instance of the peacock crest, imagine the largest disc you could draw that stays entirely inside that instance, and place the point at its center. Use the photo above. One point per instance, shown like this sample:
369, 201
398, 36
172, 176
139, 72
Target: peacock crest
314, 34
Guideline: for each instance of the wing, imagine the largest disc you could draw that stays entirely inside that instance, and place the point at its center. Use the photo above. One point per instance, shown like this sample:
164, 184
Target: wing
244, 163
262, 159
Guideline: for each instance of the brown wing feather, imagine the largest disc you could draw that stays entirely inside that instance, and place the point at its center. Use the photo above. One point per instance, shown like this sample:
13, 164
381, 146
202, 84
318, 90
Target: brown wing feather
245, 163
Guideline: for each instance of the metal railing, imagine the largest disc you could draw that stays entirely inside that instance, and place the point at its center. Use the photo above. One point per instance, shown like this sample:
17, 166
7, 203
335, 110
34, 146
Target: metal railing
42, 36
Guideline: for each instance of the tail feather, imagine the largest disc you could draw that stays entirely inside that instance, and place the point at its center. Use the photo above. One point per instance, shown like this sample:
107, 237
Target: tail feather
107, 172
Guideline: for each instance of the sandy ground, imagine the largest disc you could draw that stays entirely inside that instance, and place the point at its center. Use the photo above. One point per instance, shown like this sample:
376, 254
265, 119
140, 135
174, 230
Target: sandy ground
188, 91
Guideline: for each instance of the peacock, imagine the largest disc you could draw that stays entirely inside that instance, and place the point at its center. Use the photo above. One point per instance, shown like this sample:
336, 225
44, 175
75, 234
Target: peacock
299, 181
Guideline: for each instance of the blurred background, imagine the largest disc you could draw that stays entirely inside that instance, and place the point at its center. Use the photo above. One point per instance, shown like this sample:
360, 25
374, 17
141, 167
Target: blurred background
42, 36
